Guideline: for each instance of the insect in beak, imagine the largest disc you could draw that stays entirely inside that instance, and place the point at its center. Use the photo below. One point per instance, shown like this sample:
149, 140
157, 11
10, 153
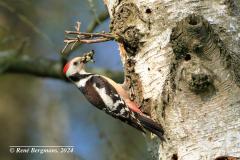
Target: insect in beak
88, 57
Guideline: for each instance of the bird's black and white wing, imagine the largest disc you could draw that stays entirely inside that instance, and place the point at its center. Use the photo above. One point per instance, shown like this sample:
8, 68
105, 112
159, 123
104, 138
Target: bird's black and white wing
104, 96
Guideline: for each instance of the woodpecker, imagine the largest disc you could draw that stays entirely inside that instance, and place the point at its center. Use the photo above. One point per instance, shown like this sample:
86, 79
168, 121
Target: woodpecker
109, 96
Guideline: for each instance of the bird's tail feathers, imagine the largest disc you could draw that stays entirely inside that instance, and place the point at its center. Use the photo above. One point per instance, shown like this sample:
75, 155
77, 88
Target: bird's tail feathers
151, 126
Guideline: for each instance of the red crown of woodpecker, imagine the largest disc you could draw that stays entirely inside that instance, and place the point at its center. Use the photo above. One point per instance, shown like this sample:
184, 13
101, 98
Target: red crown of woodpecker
66, 67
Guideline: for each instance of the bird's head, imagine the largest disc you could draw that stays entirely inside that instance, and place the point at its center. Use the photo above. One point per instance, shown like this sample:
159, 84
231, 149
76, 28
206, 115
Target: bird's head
76, 65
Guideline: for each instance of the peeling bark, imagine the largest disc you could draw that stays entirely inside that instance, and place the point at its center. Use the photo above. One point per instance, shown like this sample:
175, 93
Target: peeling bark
182, 66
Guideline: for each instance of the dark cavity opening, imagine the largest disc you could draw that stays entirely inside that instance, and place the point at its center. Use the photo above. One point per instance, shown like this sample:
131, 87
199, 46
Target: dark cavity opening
226, 158
148, 11
187, 57
174, 157
193, 20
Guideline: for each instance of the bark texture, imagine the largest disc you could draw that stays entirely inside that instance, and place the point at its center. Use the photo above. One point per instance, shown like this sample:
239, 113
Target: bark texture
182, 65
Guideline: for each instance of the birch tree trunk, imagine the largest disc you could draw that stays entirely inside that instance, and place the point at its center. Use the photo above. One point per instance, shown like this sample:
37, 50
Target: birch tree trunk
182, 66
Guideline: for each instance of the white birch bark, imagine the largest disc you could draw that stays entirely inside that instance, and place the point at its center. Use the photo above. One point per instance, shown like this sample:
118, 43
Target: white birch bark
196, 96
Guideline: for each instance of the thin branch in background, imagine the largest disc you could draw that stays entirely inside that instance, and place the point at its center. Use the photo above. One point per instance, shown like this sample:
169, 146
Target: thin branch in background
102, 17
26, 21
94, 11
24, 43
83, 37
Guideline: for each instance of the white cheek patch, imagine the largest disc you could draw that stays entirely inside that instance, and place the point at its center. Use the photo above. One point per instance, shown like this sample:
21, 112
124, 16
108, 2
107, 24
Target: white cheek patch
82, 82
70, 71
106, 98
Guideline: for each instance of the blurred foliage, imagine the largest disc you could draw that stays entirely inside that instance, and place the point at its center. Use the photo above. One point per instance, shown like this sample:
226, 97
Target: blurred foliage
50, 112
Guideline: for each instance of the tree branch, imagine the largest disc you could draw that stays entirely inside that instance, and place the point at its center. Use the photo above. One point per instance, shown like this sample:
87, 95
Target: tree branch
12, 62
25, 64
101, 18
83, 37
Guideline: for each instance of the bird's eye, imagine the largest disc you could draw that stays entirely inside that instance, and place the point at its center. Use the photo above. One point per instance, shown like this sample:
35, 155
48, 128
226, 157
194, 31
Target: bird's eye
75, 63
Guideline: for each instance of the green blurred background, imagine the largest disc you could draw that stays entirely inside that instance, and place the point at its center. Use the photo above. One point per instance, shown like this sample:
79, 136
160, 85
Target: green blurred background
45, 111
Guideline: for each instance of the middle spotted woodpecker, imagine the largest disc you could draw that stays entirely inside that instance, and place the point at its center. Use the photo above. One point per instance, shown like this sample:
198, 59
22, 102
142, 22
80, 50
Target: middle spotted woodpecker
107, 95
